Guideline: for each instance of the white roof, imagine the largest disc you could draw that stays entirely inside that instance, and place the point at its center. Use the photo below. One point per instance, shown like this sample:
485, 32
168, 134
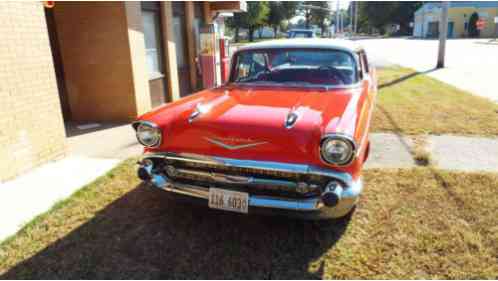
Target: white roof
311, 43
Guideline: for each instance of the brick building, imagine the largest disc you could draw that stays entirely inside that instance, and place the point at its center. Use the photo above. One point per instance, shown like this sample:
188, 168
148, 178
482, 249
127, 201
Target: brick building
90, 61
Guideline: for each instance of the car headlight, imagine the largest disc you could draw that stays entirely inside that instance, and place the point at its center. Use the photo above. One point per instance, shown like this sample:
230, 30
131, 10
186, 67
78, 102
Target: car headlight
148, 134
337, 149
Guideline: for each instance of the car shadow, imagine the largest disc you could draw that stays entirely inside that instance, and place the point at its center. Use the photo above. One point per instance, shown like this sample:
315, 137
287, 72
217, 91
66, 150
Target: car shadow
147, 234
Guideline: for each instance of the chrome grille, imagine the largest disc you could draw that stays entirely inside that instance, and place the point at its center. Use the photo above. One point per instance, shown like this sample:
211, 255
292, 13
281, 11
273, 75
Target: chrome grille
254, 177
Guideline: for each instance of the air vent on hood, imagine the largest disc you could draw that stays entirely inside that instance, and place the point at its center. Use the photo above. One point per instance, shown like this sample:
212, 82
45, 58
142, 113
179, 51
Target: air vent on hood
291, 119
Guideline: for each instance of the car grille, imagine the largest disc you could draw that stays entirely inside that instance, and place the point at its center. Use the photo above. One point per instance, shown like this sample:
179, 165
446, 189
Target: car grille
255, 181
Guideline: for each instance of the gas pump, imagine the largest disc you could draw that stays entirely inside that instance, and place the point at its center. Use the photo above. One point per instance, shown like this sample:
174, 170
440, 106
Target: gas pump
207, 59
224, 59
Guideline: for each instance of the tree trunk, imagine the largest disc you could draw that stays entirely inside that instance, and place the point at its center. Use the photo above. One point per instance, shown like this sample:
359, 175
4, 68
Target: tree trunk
237, 34
251, 34
307, 19
275, 29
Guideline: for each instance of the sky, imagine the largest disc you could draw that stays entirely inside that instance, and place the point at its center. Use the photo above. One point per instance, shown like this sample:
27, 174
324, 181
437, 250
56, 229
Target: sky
344, 4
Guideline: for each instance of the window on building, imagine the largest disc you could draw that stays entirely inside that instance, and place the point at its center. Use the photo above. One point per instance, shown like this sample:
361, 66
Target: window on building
152, 35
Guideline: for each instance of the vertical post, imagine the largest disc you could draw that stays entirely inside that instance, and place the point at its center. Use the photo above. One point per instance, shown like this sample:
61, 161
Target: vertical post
356, 14
351, 16
170, 51
190, 34
496, 24
337, 18
443, 32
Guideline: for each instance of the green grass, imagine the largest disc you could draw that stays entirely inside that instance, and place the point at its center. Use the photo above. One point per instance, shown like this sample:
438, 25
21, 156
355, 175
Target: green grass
418, 223
412, 103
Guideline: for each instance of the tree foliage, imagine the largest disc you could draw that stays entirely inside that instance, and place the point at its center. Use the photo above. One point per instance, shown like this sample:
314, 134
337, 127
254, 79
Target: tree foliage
256, 16
280, 11
321, 14
472, 26
314, 12
379, 14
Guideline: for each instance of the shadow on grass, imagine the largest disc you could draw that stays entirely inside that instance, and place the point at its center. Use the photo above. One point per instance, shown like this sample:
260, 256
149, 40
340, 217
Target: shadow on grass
146, 234
399, 133
404, 78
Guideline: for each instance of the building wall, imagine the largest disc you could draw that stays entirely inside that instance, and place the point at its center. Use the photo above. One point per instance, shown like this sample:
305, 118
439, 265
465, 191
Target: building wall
459, 15
105, 79
31, 125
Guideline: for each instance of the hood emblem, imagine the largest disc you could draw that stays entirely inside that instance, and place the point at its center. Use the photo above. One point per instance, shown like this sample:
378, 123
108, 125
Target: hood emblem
291, 119
199, 109
233, 147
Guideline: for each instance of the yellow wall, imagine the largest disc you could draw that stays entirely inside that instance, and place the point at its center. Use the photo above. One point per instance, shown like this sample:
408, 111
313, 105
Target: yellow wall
456, 15
31, 126
104, 70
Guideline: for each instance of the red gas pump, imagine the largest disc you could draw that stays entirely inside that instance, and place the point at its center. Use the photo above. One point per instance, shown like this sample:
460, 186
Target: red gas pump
224, 59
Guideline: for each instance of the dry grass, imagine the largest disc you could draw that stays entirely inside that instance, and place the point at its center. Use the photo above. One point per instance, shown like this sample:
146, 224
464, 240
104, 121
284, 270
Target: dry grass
418, 223
420, 151
413, 103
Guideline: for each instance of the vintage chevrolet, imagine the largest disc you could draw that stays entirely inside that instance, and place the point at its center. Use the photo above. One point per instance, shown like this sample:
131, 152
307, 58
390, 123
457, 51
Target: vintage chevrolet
287, 134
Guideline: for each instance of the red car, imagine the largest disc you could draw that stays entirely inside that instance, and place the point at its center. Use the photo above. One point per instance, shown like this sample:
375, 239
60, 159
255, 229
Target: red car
287, 134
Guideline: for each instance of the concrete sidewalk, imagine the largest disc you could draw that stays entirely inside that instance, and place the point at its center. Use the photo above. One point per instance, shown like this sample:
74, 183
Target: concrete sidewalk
448, 152
93, 150
29, 195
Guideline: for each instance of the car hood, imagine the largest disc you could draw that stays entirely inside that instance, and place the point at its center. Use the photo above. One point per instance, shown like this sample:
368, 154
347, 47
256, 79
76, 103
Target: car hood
250, 122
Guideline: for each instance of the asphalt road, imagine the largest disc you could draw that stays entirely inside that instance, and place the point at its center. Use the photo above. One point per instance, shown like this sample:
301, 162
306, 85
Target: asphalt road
471, 64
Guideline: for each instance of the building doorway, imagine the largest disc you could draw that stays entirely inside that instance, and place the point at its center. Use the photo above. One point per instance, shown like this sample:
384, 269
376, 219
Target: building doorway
451, 26
433, 30
151, 17
58, 66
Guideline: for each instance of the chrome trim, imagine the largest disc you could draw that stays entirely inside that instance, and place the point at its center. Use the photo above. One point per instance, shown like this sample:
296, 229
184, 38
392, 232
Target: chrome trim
348, 197
339, 136
151, 124
357, 85
193, 115
303, 169
233, 147
289, 123
231, 179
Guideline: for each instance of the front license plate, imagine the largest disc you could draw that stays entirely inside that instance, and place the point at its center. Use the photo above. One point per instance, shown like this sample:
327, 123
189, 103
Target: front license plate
228, 200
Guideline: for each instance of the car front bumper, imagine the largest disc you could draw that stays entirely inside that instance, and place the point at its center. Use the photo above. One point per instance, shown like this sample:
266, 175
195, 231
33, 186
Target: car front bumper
309, 208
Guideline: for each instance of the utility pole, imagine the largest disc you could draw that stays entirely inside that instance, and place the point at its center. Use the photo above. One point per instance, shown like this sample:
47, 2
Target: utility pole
443, 32
337, 18
351, 7
356, 16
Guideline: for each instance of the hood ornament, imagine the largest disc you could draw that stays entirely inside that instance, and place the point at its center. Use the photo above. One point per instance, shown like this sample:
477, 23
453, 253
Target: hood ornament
233, 147
291, 119
199, 109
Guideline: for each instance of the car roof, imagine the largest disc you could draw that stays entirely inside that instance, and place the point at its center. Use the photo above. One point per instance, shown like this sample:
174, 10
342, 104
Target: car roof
301, 30
307, 43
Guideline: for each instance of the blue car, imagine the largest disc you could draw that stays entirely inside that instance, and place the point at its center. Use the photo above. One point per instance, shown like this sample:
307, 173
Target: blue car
301, 33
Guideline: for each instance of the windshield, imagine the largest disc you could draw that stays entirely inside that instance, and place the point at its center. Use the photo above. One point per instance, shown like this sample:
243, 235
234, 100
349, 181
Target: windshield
295, 67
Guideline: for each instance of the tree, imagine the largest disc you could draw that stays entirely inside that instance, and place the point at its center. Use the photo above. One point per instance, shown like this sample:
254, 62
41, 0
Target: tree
472, 25
256, 16
320, 14
314, 12
280, 11
380, 14
275, 16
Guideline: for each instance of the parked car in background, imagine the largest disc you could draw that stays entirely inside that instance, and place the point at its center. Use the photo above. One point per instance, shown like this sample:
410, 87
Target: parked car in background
287, 134
301, 33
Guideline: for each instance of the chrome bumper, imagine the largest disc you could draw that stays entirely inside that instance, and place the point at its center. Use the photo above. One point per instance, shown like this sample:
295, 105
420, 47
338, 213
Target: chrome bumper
312, 208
